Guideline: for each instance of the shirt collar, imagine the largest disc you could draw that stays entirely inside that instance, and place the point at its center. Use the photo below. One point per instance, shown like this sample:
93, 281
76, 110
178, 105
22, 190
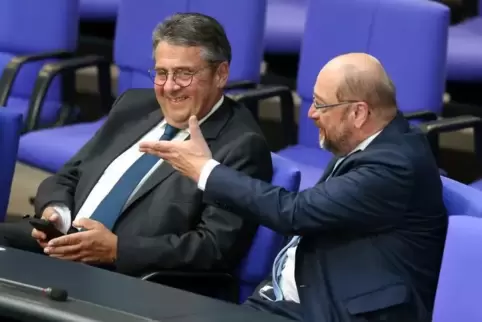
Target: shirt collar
364, 144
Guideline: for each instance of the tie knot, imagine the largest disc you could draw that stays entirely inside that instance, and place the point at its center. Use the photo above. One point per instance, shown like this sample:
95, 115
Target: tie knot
169, 132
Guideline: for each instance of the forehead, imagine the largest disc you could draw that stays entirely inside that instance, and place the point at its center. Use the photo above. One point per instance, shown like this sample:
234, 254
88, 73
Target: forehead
173, 56
326, 86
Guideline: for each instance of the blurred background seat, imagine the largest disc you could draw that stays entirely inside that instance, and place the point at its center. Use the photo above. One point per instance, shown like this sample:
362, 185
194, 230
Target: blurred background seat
98, 10
10, 127
29, 39
460, 281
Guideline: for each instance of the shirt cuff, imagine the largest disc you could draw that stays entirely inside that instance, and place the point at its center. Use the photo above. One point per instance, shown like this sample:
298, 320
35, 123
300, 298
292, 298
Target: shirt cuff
205, 172
65, 217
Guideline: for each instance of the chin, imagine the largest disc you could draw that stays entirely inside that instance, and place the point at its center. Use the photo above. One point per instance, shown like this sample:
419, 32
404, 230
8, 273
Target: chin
179, 122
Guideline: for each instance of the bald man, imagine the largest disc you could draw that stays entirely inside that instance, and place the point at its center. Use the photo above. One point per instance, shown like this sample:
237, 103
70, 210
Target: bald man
366, 242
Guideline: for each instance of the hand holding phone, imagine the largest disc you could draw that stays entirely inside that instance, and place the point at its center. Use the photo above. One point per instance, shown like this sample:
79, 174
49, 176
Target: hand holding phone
46, 227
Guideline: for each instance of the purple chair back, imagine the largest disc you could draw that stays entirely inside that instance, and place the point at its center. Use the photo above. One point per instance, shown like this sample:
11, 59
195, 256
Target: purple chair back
243, 21
460, 282
257, 265
409, 37
98, 10
460, 199
41, 28
10, 126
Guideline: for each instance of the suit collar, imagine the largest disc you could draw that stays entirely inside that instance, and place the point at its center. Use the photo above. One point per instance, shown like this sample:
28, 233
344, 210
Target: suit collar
217, 119
398, 125
131, 132
211, 128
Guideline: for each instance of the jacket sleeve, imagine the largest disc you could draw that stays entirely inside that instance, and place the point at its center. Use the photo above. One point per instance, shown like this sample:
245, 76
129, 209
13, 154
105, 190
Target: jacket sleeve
60, 187
370, 197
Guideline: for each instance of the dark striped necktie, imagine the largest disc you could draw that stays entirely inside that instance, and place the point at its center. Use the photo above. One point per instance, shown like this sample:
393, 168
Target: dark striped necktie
112, 205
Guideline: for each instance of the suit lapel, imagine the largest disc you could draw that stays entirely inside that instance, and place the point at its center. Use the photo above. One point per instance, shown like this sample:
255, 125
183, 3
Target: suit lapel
331, 171
210, 129
127, 136
328, 169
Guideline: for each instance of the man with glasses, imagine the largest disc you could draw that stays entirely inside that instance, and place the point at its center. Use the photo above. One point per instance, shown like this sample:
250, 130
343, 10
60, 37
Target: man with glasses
366, 241
135, 213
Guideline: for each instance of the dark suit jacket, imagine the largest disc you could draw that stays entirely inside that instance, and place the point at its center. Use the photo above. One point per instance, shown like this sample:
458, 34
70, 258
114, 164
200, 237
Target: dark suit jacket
373, 234
167, 225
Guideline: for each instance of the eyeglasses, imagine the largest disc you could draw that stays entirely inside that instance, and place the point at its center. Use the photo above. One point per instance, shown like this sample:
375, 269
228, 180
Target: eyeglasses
182, 78
324, 106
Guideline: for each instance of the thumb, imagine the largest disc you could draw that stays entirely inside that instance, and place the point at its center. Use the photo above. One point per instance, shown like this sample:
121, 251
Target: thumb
53, 218
195, 131
85, 224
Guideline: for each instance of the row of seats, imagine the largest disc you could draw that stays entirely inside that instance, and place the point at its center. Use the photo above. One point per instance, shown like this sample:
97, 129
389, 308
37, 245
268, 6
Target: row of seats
461, 261
414, 55
285, 23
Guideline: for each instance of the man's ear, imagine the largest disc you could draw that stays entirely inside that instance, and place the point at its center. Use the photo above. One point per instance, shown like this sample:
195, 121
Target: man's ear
222, 74
362, 111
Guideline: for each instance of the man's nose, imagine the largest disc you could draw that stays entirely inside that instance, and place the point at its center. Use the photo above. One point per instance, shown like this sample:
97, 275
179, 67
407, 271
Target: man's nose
312, 113
170, 85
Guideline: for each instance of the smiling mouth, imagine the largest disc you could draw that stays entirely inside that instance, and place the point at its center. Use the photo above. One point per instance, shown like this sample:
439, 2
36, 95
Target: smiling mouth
178, 99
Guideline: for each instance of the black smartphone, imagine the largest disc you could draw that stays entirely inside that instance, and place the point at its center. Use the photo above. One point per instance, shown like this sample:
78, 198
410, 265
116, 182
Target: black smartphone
47, 227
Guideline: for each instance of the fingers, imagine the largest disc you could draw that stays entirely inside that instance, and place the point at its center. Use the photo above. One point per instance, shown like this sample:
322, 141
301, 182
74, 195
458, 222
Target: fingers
54, 218
63, 251
37, 234
71, 239
156, 146
87, 224
40, 237
165, 155
48, 213
51, 215
75, 257
42, 244
68, 247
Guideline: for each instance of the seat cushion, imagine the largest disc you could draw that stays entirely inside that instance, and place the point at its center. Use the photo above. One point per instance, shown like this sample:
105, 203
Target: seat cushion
311, 162
477, 184
50, 149
460, 199
464, 53
49, 114
285, 23
98, 9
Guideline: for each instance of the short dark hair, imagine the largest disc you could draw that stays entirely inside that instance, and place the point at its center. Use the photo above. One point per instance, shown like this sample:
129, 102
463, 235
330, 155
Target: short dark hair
195, 30
377, 90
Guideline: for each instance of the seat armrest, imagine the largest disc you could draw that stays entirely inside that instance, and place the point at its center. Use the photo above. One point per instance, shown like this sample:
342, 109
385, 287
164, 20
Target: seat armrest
286, 105
67, 68
424, 116
13, 67
240, 85
452, 124
224, 284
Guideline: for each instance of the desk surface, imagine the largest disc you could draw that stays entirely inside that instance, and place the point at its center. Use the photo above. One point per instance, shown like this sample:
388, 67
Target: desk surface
112, 290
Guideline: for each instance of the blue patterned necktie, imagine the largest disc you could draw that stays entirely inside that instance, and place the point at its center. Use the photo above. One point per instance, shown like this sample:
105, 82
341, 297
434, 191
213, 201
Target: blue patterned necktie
280, 260
112, 205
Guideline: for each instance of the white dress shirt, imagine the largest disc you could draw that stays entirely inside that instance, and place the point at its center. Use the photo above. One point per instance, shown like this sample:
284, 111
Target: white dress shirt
287, 280
117, 168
